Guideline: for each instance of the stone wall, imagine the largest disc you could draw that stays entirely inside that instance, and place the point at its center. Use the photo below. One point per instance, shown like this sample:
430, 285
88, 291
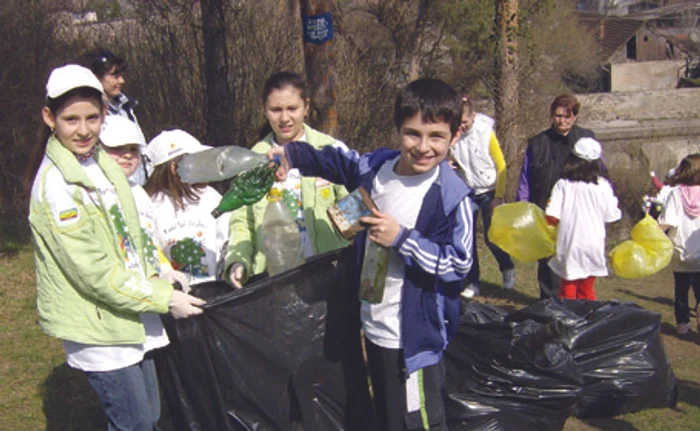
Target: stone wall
640, 132
645, 75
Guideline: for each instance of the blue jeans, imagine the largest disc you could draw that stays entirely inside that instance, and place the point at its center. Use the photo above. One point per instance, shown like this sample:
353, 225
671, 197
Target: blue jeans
129, 396
482, 202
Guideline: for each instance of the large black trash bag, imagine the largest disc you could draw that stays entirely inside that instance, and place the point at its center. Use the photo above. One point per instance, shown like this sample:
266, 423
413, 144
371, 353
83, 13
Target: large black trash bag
503, 376
280, 354
618, 350
533, 368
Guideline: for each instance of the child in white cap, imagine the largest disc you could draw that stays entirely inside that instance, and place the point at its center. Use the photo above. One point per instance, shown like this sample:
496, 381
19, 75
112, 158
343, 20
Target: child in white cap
123, 141
96, 291
191, 238
582, 201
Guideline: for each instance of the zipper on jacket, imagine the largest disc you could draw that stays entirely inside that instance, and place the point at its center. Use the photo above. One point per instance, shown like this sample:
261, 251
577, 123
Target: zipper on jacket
97, 310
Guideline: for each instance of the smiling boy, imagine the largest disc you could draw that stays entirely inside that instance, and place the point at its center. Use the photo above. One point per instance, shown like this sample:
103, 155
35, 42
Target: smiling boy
425, 221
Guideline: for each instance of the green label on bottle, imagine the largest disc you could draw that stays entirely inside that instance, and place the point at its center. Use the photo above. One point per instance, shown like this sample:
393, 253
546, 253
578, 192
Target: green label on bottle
374, 270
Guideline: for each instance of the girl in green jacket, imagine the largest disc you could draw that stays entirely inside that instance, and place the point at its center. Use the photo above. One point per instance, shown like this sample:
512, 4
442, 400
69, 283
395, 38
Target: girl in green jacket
96, 291
286, 105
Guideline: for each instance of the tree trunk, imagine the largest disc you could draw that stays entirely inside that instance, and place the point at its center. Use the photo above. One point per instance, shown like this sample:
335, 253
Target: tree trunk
416, 40
506, 28
319, 58
220, 96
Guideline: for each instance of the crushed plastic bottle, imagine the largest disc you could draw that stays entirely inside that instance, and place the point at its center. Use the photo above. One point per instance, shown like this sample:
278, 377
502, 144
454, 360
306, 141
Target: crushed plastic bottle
218, 164
281, 240
247, 188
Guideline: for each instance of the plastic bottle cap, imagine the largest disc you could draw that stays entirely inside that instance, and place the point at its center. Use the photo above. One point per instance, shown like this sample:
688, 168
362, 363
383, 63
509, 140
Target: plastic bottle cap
274, 195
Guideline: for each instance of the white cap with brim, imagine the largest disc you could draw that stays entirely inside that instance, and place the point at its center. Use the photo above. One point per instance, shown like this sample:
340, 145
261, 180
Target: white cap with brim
587, 149
118, 131
69, 77
170, 144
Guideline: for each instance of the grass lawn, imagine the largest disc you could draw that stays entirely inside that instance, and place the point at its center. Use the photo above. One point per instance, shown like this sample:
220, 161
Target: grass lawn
38, 391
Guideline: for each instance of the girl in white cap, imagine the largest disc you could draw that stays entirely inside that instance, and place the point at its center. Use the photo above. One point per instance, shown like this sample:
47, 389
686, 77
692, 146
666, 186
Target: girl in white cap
681, 217
192, 239
95, 287
123, 141
582, 201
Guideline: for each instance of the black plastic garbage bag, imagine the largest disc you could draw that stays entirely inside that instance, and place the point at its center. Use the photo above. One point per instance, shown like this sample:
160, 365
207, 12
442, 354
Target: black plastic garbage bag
281, 354
504, 376
537, 366
618, 350
285, 353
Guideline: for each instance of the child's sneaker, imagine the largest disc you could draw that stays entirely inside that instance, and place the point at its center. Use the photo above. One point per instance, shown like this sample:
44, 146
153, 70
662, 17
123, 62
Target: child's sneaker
682, 328
509, 279
470, 291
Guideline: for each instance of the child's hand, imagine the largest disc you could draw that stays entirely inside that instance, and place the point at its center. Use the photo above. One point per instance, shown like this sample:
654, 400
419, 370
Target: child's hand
236, 274
278, 152
381, 228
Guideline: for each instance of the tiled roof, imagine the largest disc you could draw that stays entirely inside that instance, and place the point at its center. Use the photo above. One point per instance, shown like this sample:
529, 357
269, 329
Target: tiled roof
611, 31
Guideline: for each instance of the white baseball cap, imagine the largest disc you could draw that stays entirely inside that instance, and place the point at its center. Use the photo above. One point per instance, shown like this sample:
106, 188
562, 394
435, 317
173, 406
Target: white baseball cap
118, 131
587, 149
68, 77
170, 144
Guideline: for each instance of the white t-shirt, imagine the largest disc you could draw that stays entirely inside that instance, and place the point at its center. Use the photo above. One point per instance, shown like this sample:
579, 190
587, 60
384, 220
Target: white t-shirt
88, 357
147, 219
582, 209
402, 198
192, 239
685, 232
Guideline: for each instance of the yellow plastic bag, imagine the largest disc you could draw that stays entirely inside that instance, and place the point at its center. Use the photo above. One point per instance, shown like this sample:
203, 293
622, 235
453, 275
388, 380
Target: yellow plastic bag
521, 230
647, 252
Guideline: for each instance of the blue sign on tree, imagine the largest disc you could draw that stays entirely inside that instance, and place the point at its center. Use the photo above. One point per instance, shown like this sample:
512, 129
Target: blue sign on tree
318, 28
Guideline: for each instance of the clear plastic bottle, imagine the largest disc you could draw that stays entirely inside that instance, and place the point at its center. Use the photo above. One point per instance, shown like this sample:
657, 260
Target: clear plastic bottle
218, 164
281, 239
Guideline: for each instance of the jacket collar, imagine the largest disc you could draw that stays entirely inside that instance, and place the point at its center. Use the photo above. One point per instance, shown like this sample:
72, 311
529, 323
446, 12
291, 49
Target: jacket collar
452, 189
66, 162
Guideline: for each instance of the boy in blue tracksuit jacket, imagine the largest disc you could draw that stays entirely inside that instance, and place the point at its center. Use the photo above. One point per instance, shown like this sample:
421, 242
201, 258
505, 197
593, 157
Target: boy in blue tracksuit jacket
424, 219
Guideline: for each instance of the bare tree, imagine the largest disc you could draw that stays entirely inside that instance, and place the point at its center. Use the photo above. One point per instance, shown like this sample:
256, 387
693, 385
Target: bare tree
220, 94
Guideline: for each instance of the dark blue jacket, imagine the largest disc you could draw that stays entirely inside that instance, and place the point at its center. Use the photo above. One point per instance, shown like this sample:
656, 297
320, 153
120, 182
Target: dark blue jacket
436, 253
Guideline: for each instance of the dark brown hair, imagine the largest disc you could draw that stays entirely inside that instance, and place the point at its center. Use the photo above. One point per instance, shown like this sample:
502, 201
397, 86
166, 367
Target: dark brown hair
566, 101
54, 105
434, 99
102, 61
163, 180
687, 172
587, 171
279, 81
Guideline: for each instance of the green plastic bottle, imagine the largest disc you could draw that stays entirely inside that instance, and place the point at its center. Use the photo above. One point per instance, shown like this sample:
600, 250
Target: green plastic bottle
247, 188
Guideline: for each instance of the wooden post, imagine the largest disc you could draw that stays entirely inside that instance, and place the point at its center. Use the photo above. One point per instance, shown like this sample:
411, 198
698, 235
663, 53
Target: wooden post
319, 58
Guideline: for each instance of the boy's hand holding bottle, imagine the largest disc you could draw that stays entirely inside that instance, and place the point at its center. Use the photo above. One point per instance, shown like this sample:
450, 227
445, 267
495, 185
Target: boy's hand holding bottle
277, 155
382, 228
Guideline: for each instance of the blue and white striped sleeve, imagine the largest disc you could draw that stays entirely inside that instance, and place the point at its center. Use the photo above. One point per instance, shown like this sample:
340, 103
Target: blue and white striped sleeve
450, 261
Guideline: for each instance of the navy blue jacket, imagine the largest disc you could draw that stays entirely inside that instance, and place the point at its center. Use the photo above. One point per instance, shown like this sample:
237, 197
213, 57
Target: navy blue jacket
436, 253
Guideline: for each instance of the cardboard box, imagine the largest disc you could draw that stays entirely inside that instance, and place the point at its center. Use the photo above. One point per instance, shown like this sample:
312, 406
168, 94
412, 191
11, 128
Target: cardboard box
346, 213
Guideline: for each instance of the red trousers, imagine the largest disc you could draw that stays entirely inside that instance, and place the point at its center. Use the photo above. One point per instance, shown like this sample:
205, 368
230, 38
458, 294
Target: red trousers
577, 289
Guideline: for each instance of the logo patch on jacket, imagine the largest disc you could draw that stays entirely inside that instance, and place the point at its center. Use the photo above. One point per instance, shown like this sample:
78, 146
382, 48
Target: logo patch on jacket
68, 215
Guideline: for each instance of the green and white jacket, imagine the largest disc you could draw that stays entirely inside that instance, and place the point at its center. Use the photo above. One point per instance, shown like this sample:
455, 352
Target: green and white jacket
245, 234
93, 278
